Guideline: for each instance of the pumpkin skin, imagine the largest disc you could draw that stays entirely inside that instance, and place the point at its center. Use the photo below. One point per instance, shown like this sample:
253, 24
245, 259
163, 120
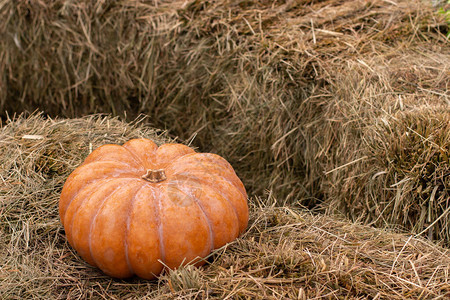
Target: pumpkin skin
133, 209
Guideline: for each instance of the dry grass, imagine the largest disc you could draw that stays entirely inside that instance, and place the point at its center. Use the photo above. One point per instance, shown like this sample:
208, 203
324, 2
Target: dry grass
239, 76
384, 142
403, 176
287, 253
287, 90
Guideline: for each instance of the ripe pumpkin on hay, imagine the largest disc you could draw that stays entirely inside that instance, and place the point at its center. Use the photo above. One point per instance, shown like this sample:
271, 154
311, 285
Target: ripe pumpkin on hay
134, 208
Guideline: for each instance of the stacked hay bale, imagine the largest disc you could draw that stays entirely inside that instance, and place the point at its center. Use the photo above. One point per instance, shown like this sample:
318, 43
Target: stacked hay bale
286, 253
386, 151
291, 92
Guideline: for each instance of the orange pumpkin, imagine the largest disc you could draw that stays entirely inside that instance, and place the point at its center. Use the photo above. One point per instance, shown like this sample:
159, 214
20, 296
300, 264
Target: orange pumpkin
134, 208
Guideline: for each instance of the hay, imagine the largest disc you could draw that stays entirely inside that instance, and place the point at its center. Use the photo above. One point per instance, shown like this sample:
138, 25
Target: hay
403, 176
284, 90
384, 142
286, 253
235, 75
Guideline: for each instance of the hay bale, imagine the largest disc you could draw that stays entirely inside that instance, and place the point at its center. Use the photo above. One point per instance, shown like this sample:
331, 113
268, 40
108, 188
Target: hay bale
237, 76
384, 141
286, 252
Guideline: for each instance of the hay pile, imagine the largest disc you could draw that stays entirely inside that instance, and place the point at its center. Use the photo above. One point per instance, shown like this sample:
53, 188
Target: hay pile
285, 254
293, 93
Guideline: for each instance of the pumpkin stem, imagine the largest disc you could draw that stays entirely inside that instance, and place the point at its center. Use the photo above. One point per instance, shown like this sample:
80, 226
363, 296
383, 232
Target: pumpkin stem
155, 176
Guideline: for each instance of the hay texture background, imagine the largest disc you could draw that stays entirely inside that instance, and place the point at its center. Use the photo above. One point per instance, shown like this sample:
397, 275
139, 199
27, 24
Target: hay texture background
287, 253
300, 96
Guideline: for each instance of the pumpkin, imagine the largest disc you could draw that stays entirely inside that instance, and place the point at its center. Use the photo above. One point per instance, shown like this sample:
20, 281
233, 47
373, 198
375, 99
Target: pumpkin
138, 208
